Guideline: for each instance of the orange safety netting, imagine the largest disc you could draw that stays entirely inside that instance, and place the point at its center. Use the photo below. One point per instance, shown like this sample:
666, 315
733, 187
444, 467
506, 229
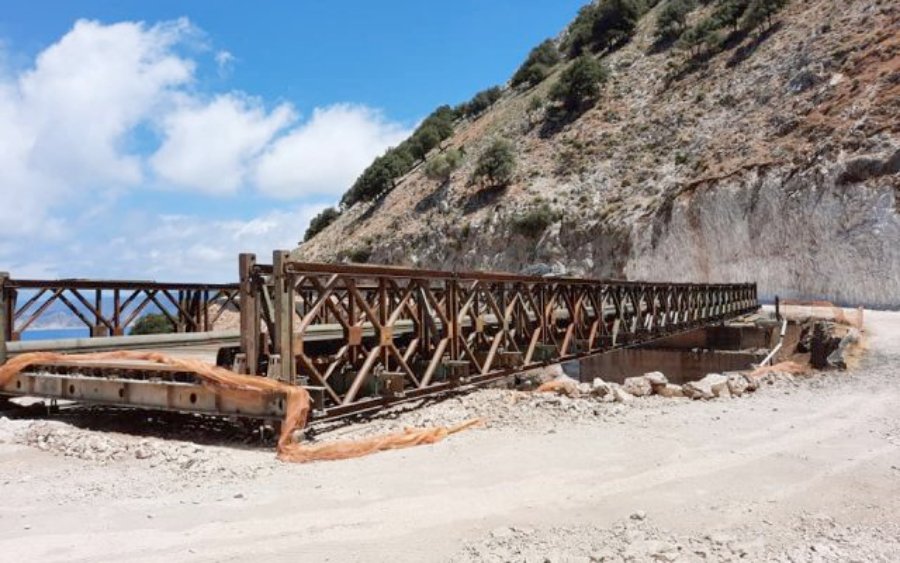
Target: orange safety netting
559, 386
223, 381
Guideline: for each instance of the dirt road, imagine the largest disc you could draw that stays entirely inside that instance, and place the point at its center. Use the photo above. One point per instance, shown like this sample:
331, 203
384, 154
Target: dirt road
808, 471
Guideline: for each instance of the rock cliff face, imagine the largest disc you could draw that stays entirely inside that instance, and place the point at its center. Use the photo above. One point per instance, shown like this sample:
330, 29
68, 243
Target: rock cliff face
775, 160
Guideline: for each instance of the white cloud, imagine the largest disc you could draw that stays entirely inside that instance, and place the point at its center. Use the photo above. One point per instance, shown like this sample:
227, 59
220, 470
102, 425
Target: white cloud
110, 108
209, 146
64, 124
326, 154
224, 62
188, 247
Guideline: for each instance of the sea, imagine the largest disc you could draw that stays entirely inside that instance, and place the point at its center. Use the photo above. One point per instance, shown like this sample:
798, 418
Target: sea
55, 333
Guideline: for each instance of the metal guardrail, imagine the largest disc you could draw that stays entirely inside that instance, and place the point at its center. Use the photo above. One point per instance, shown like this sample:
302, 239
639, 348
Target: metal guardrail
109, 307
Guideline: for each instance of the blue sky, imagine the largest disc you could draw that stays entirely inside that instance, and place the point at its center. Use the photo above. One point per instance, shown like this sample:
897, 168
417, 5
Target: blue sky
158, 139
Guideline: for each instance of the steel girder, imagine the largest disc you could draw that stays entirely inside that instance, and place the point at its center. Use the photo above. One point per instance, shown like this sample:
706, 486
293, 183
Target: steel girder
399, 333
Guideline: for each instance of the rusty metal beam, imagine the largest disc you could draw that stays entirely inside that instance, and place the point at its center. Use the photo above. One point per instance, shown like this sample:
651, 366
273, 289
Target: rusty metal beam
368, 336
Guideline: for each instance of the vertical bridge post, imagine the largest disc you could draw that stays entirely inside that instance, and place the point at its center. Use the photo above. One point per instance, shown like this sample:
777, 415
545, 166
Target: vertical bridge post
249, 310
5, 317
283, 338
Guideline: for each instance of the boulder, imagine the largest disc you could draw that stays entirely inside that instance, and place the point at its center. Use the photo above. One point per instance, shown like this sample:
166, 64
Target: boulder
621, 395
752, 382
738, 384
718, 383
697, 390
713, 385
638, 386
669, 390
600, 388
656, 379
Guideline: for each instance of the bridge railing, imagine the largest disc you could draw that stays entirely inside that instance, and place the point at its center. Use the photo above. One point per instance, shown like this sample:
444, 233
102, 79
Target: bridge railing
109, 307
363, 335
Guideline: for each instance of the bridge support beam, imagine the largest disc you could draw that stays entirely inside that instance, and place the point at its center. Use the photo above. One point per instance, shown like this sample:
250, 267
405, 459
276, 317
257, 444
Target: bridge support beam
4, 317
249, 307
283, 339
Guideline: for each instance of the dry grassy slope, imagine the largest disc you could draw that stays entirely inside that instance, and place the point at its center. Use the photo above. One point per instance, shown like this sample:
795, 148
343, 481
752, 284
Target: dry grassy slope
775, 161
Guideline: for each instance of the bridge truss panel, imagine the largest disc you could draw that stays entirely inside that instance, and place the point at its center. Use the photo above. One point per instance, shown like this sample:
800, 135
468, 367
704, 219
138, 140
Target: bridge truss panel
365, 336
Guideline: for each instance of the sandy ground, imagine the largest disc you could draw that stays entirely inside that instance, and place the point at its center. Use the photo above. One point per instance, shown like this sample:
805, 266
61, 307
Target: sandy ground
803, 471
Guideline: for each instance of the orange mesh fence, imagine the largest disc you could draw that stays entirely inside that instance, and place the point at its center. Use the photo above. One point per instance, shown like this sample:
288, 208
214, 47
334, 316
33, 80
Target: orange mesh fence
793, 309
560, 386
223, 381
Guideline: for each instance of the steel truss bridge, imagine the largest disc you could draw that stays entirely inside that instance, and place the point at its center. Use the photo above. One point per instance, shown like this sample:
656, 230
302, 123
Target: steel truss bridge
359, 337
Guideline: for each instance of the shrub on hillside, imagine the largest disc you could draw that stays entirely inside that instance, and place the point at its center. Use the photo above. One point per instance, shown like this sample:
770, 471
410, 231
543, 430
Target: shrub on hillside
728, 13
443, 165
480, 102
703, 35
359, 255
497, 164
579, 84
672, 19
320, 222
760, 12
603, 25
533, 222
538, 64
152, 323
396, 162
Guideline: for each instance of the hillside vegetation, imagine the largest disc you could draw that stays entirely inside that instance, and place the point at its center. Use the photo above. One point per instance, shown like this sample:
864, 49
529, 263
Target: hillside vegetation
682, 140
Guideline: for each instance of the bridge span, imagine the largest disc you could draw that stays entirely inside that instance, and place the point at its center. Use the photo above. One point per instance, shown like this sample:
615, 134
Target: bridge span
358, 337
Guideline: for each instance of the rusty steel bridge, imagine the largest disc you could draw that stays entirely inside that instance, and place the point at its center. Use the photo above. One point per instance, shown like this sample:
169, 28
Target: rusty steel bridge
358, 337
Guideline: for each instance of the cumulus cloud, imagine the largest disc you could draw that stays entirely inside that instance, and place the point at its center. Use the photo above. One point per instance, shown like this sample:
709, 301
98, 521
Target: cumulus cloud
209, 146
190, 247
326, 154
64, 123
112, 108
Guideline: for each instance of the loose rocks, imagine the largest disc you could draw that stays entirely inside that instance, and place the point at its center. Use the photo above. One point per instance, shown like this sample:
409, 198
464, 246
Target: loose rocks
638, 386
713, 385
737, 384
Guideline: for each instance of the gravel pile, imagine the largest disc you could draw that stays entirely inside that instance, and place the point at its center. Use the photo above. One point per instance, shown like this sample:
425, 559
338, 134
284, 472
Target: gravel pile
572, 404
811, 539
186, 459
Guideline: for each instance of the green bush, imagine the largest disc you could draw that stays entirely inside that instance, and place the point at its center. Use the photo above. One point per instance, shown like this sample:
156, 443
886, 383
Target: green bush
320, 222
533, 222
760, 12
704, 34
672, 19
728, 13
443, 165
480, 102
603, 25
152, 323
579, 84
396, 162
497, 164
360, 254
538, 64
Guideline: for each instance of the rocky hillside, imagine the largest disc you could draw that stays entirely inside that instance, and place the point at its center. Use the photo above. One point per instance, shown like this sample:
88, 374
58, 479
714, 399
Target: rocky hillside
774, 157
